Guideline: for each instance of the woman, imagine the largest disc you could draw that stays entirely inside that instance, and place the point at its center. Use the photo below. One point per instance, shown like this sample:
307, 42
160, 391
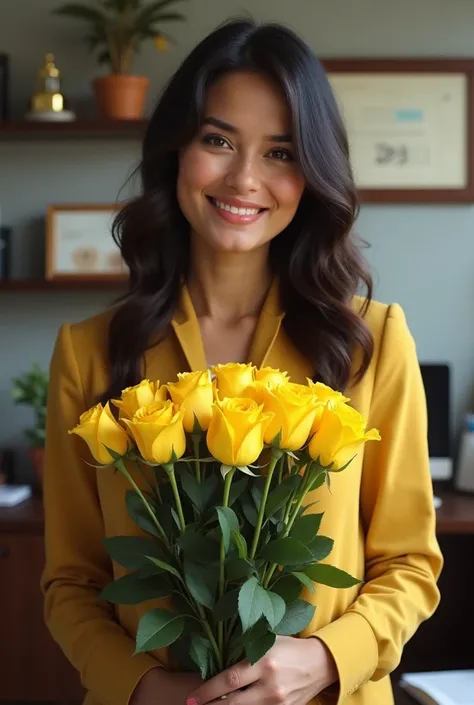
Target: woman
240, 249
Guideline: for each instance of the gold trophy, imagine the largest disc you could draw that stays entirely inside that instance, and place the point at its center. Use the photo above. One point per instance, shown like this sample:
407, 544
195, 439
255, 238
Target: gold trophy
48, 103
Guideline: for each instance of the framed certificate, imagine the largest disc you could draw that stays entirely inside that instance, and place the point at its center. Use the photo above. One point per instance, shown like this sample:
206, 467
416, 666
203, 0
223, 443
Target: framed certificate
79, 243
410, 127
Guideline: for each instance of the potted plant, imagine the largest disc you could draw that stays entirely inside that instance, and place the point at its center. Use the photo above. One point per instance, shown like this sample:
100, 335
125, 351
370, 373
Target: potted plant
117, 28
31, 389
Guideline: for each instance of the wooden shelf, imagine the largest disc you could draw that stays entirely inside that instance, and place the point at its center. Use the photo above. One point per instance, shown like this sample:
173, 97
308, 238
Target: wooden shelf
21, 130
37, 285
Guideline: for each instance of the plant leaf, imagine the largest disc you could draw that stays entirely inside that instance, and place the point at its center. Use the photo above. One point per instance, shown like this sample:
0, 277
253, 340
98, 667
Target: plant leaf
280, 495
303, 578
240, 543
297, 617
131, 551
248, 509
306, 527
236, 489
164, 566
320, 547
331, 576
200, 652
274, 609
80, 12
131, 590
228, 521
227, 606
256, 648
252, 602
201, 581
288, 587
286, 551
158, 628
237, 568
196, 544
139, 514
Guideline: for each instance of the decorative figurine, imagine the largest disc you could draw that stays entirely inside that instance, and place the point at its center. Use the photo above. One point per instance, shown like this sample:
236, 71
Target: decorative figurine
48, 102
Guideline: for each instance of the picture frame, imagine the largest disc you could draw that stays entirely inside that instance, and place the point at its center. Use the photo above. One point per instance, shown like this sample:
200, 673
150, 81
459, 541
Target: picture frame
410, 125
4, 87
79, 243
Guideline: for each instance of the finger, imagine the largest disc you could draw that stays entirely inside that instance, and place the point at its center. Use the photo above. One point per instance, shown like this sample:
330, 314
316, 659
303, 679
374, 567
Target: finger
250, 696
233, 678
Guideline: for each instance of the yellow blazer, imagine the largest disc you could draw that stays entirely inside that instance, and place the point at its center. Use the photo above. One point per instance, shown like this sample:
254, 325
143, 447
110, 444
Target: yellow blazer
379, 512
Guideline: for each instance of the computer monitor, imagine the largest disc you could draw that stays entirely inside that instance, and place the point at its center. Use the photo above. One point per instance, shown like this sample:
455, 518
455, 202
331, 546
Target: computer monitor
436, 380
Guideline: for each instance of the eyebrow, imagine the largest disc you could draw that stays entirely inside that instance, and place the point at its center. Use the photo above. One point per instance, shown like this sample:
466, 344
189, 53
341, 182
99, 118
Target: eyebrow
222, 125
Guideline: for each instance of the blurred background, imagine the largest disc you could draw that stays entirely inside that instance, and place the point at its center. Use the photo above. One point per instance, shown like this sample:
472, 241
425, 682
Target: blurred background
422, 254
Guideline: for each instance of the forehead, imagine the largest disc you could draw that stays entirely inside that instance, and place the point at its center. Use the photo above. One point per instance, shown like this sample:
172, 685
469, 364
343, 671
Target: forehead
249, 101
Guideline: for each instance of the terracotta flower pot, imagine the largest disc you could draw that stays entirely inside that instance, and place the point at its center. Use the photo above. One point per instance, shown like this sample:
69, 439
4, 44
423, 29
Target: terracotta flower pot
37, 459
121, 96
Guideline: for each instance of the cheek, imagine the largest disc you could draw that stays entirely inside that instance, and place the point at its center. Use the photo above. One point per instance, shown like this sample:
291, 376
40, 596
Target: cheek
288, 190
197, 169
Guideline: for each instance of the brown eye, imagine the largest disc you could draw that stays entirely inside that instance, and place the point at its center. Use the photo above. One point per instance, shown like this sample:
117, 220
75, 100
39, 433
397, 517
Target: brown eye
215, 141
281, 154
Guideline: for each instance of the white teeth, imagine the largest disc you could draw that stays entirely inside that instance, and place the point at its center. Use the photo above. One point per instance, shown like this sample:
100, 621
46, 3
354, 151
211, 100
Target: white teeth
234, 210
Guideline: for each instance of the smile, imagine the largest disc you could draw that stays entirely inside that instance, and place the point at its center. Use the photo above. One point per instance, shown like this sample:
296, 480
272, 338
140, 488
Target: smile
233, 214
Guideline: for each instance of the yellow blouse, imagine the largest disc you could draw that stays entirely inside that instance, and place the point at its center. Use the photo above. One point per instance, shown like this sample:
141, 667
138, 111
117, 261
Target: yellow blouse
379, 512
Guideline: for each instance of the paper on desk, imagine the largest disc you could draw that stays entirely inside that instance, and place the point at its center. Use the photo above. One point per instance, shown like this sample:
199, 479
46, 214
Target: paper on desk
445, 687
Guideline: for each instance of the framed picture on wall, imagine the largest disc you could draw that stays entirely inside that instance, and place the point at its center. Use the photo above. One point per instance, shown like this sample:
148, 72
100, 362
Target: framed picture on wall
79, 243
4, 87
410, 124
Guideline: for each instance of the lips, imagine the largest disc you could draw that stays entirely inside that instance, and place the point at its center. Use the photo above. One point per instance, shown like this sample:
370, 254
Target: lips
235, 211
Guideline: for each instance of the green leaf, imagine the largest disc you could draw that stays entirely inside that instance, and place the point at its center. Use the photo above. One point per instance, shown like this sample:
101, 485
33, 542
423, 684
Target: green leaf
228, 521
288, 587
318, 481
320, 547
287, 551
200, 652
331, 576
248, 509
280, 495
80, 12
240, 543
274, 609
131, 551
158, 628
305, 580
252, 602
131, 590
201, 581
256, 491
236, 489
306, 527
139, 514
297, 617
194, 544
256, 648
164, 566
227, 606
237, 568
192, 489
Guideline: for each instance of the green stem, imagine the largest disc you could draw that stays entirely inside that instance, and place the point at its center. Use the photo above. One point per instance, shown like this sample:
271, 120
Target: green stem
225, 503
145, 479
174, 485
197, 464
121, 466
276, 455
211, 637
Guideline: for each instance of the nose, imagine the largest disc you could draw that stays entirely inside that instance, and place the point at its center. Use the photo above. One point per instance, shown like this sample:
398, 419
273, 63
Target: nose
243, 175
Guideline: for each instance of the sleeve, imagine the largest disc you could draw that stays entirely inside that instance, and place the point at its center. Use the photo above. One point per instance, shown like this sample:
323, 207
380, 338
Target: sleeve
77, 565
402, 556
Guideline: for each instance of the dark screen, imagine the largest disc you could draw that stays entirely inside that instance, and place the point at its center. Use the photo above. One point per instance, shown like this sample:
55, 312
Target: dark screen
436, 383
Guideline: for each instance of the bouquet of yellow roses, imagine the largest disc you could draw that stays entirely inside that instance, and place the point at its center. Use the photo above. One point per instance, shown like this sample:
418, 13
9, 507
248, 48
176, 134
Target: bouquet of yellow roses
220, 468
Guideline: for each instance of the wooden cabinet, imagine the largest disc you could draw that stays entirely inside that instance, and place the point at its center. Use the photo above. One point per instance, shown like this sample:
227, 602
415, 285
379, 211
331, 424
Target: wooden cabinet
32, 667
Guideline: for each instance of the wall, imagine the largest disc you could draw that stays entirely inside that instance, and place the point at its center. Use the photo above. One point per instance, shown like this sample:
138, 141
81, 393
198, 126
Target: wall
423, 257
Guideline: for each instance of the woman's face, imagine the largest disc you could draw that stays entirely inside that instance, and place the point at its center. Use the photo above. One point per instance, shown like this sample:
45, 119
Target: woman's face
238, 183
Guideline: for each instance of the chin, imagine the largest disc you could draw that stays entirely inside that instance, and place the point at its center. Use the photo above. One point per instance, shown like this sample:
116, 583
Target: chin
234, 242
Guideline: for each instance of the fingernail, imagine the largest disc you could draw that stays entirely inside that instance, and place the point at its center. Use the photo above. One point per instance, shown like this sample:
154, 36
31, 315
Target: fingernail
191, 701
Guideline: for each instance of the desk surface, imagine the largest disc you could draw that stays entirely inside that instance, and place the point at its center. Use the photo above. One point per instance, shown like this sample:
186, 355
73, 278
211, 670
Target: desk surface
455, 516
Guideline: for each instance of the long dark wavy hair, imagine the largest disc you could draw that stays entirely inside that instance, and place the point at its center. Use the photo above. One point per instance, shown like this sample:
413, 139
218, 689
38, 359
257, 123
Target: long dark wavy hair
318, 263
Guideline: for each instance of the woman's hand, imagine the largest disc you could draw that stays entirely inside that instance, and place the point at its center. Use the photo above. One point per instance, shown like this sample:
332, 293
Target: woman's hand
161, 686
292, 672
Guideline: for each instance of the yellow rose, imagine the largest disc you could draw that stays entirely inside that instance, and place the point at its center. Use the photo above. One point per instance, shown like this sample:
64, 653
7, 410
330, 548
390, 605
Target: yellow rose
235, 435
294, 407
341, 433
99, 428
271, 377
143, 394
233, 379
323, 395
158, 431
194, 393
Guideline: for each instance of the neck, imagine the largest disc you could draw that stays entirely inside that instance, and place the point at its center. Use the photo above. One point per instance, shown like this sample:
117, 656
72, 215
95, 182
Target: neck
228, 286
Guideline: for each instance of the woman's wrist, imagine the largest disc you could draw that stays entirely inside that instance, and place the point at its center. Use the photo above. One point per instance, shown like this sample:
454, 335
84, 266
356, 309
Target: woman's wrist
326, 673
